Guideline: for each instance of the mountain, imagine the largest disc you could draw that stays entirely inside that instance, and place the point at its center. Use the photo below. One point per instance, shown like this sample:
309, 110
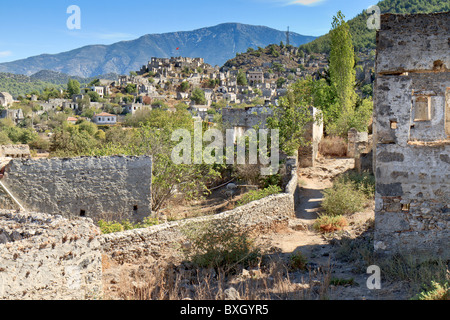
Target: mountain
363, 37
215, 44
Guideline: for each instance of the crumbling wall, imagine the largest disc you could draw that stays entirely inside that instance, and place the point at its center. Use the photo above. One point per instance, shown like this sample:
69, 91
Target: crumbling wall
258, 216
246, 117
307, 155
44, 257
15, 151
358, 143
412, 146
115, 187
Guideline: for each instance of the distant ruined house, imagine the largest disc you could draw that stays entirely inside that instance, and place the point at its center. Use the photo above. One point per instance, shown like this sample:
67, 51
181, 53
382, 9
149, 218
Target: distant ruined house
5, 99
412, 135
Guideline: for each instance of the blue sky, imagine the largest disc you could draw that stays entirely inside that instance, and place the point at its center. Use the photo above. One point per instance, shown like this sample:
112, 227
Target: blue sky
30, 27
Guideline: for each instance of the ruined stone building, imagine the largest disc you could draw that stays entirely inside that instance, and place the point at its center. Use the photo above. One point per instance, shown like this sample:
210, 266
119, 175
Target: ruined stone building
412, 135
112, 188
5, 99
243, 119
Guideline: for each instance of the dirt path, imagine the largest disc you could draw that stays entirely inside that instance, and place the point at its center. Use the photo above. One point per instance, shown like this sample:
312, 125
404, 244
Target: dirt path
326, 257
312, 183
319, 249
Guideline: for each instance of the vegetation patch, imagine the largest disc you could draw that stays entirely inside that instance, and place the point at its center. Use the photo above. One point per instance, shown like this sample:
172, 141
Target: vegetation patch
333, 146
124, 225
258, 194
342, 282
297, 261
220, 244
437, 291
328, 224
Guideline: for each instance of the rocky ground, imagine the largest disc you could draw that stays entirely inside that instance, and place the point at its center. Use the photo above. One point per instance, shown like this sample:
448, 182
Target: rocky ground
336, 264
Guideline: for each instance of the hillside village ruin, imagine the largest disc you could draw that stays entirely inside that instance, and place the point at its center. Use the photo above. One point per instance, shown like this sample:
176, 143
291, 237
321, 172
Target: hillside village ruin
51, 249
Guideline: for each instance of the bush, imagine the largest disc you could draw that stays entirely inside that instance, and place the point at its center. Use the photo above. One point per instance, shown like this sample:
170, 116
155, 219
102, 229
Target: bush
110, 227
297, 261
363, 182
114, 226
220, 244
342, 282
258, 194
333, 147
343, 198
437, 292
327, 224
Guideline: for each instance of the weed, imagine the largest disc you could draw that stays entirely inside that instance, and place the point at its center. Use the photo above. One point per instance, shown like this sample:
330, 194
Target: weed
220, 244
342, 282
297, 261
114, 226
343, 198
364, 182
333, 147
327, 224
258, 194
436, 292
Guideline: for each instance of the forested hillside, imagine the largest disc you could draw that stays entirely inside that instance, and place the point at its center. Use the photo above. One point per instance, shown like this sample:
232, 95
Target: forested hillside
20, 85
363, 37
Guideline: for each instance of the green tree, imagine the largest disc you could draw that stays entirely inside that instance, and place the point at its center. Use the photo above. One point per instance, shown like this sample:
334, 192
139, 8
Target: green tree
154, 137
94, 96
342, 73
184, 86
73, 87
131, 88
83, 103
280, 82
292, 115
342, 62
198, 96
241, 78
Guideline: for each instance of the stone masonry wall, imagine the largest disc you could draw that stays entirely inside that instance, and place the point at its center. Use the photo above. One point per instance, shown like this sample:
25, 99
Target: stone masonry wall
307, 155
256, 216
411, 135
119, 187
45, 257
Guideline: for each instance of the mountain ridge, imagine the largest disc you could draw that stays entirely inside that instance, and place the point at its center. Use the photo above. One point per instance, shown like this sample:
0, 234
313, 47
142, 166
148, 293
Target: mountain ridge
216, 44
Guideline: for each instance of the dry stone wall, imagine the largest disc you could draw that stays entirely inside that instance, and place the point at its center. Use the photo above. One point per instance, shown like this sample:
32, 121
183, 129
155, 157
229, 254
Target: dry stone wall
411, 135
257, 216
118, 187
46, 257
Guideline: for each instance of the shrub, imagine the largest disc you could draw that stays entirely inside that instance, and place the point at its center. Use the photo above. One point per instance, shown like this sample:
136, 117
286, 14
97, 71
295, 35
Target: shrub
417, 272
297, 261
437, 292
343, 198
220, 244
110, 227
258, 194
327, 224
114, 226
342, 282
333, 147
363, 182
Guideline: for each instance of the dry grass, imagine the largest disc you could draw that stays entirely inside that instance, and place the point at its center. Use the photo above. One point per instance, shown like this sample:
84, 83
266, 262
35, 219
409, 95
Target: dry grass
168, 281
333, 147
329, 224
